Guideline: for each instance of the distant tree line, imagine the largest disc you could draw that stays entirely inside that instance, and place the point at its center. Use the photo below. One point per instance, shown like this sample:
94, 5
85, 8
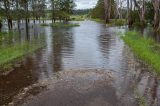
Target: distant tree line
81, 12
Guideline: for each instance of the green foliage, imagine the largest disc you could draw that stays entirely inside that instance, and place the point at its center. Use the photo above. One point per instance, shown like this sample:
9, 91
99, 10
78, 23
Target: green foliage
62, 9
44, 24
81, 11
135, 15
98, 20
117, 22
146, 49
63, 25
77, 17
149, 12
98, 11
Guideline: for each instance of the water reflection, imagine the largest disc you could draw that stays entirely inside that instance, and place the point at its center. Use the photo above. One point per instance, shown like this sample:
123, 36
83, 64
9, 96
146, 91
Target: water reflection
90, 46
62, 46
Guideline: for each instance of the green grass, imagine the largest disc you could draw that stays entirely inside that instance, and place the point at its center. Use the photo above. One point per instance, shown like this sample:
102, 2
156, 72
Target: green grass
98, 20
145, 48
10, 53
117, 22
140, 98
77, 18
44, 24
63, 25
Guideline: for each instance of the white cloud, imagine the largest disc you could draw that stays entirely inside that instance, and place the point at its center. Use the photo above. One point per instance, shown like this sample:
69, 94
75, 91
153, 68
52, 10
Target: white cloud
85, 4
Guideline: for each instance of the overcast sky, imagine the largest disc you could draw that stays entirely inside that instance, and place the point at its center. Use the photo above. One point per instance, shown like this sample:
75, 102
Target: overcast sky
85, 4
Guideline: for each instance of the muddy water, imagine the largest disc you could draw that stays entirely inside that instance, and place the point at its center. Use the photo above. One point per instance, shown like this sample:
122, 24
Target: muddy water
92, 46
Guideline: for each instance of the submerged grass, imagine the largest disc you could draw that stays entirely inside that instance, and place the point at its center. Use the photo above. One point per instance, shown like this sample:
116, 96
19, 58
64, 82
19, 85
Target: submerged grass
140, 98
11, 53
63, 25
98, 20
44, 24
77, 18
145, 48
117, 22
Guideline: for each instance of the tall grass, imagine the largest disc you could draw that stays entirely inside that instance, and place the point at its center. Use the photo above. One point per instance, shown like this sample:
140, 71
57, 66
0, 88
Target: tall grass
145, 48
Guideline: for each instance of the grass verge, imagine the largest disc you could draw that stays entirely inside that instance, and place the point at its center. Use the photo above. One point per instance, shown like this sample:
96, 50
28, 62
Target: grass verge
11, 53
146, 49
63, 25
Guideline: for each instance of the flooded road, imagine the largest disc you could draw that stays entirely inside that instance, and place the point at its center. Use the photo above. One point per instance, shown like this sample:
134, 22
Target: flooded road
82, 66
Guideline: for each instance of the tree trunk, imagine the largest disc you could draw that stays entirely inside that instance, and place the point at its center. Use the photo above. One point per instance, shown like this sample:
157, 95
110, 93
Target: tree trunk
10, 24
18, 23
0, 26
39, 20
34, 21
156, 5
107, 5
43, 20
141, 12
27, 33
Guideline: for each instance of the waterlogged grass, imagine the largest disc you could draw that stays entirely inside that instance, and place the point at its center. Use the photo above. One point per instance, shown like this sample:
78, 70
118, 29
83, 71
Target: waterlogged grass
44, 24
6, 36
10, 53
145, 48
77, 18
140, 98
63, 25
98, 20
117, 22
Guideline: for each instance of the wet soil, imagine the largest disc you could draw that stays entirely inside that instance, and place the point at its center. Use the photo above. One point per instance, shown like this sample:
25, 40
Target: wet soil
80, 88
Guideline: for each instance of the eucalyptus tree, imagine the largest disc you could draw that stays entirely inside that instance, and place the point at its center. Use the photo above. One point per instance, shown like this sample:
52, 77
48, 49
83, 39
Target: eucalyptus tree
107, 5
156, 5
99, 10
0, 25
25, 6
55, 7
0, 16
38, 9
7, 6
17, 13
110, 9
62, 9
129, 13
141, 6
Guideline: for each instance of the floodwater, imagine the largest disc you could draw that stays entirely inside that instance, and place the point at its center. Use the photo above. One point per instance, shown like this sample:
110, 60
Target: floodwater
81, 66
